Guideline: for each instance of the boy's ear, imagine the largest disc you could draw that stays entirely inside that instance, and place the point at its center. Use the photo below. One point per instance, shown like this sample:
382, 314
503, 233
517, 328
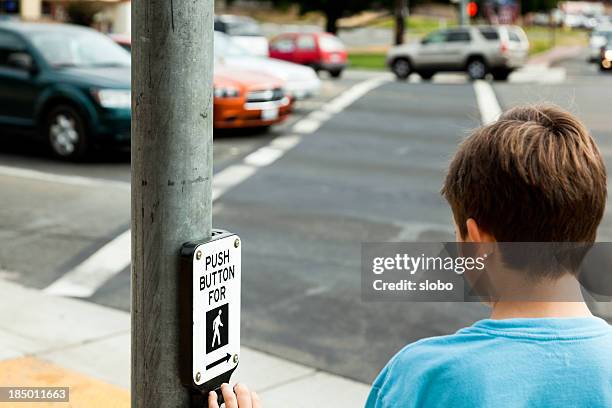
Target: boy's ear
476, 234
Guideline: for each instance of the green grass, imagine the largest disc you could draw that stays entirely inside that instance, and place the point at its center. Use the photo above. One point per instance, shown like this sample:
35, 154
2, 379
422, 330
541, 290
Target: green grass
542, 39
367, 60
420, 24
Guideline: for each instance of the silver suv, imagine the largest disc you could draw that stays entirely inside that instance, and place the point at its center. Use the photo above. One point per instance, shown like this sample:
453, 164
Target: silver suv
477, 50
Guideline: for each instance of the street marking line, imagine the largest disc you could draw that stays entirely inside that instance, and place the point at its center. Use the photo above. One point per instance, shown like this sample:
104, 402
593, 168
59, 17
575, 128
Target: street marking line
264, 156
488, 105
307, 125
61, 178
286, 142
230, 177
84, 280
92, 273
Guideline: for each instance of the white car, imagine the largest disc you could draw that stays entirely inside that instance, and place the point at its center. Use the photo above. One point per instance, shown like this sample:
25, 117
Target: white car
300, 81
477, 50
245, 31
600, 37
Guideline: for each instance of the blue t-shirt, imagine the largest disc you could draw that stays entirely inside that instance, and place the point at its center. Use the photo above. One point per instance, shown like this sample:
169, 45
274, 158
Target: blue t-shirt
549, 362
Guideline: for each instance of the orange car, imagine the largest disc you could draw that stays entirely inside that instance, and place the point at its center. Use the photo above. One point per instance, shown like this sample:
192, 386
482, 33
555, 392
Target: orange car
248, 99
242, 98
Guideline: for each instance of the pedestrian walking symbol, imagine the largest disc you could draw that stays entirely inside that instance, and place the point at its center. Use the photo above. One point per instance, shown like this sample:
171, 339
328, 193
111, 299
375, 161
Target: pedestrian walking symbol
217, 323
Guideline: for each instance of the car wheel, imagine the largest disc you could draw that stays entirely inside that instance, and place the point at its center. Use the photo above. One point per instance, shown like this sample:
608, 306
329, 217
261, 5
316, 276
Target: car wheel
402, 68
65, 131
476, 69
427, 75
335, 73
501, 75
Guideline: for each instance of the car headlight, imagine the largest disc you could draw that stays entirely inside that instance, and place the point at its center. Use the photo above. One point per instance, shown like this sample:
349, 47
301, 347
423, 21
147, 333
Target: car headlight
608, 55
113, 98
226, 92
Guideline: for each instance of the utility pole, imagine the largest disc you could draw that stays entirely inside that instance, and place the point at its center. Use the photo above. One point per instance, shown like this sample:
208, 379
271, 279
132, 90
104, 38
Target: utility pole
401, 11
172, 68
463, 17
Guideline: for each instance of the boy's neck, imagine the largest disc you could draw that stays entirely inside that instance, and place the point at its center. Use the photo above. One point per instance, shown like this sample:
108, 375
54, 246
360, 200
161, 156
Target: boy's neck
545, 303
514, 309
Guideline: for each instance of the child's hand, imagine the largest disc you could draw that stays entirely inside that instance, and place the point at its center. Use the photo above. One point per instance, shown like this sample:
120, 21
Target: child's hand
239, 397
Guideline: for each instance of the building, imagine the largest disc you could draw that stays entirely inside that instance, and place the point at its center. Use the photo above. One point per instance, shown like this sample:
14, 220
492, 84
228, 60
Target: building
112, 15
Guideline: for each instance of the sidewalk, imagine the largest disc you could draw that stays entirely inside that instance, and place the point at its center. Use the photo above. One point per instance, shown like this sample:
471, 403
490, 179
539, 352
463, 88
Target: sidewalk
54, 341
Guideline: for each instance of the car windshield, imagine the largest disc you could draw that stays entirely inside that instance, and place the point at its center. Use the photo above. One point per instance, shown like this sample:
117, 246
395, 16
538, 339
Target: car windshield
87, 49
243, 28
330, 44
607, 35
226, 47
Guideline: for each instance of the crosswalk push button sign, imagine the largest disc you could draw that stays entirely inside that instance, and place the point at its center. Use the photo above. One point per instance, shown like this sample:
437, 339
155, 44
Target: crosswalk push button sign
216, 308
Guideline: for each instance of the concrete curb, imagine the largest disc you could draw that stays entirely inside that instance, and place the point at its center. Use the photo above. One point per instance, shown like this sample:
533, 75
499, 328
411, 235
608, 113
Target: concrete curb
95, 341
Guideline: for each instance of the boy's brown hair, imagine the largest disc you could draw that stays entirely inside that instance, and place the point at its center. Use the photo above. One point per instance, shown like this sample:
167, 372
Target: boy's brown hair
535, 175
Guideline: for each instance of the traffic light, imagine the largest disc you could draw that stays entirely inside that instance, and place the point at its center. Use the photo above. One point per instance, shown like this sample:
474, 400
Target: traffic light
472, 9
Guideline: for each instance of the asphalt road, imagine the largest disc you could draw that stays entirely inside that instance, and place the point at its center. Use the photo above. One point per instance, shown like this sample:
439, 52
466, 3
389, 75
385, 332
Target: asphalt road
370, 173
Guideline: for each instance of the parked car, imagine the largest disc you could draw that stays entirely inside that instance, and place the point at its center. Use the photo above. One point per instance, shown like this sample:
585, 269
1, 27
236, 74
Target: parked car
321, 51
300, 81
243, 98
599, 38
68, 85
124, 40
477, 50
245, 31
605, 57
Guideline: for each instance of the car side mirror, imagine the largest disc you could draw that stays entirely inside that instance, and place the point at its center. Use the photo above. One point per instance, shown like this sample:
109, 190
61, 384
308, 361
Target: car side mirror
22, 61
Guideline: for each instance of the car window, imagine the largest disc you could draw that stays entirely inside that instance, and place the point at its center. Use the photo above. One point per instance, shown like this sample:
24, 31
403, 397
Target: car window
283, 44
9, 44
306, 42
226, 47
83, 48
458, 36
329, 43
435, 38
603, 34
513, 36
489, 33
219, 26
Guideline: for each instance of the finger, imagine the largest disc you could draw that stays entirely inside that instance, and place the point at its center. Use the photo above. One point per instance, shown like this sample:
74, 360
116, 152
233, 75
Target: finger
243, 395
229, 396
212, 400
256, 400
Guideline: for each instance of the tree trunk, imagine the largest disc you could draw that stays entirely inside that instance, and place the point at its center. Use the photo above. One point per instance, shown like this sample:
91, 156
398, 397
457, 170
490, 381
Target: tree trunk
332, 17
400, 20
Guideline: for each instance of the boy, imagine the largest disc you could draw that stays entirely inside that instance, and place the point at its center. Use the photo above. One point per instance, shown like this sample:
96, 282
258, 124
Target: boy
535, 175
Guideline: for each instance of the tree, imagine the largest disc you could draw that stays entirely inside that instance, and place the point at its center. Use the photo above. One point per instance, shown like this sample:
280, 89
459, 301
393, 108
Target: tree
400, 9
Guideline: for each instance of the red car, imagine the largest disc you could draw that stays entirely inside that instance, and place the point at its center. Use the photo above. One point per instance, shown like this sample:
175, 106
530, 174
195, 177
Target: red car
322, 51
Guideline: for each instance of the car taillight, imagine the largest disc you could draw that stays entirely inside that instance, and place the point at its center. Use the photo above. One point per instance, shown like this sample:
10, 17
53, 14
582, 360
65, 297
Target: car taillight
503, 47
